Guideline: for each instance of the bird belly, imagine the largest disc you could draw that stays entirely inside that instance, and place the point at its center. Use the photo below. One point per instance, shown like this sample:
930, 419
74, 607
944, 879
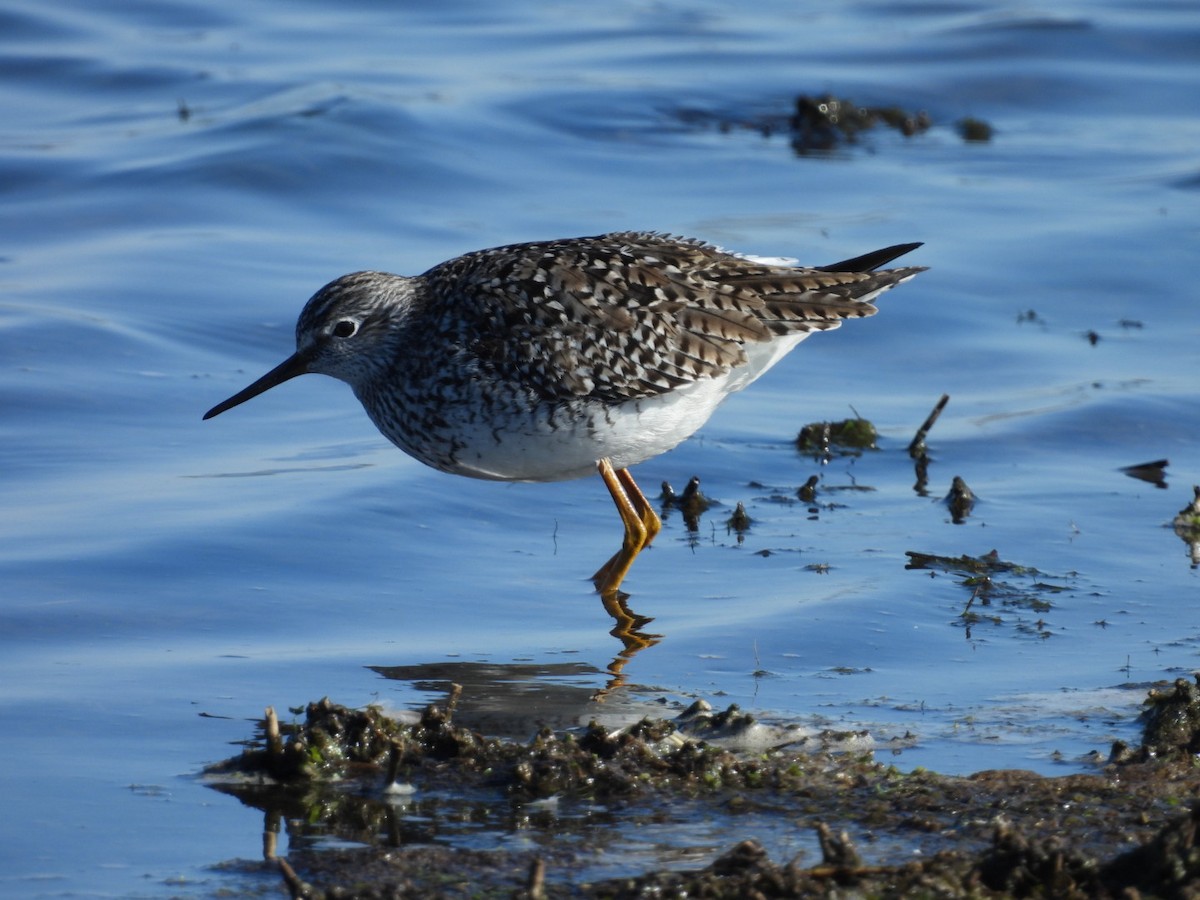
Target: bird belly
560, 441
501, 437
567, 440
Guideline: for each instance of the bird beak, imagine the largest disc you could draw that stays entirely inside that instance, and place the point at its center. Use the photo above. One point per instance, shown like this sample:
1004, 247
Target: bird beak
296, 364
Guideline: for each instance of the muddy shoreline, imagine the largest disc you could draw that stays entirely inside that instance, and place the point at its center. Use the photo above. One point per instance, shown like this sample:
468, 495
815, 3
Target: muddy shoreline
370, 806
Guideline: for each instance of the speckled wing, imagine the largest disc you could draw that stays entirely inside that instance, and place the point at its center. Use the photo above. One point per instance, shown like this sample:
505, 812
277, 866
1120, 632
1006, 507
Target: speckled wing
628, 315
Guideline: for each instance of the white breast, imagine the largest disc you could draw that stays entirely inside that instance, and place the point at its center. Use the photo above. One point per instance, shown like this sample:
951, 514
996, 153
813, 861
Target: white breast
567, 443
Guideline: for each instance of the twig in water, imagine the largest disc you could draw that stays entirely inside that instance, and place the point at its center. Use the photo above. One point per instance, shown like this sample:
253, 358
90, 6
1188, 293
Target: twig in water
917, 447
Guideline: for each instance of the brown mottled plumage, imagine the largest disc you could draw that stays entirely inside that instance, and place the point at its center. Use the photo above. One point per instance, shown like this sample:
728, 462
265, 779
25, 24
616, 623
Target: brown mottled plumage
544, 361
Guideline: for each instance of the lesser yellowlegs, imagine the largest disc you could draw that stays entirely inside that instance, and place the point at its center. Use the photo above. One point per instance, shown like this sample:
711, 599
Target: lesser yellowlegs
551, 360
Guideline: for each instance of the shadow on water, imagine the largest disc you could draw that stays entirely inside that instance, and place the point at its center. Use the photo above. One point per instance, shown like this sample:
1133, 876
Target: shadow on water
516, 700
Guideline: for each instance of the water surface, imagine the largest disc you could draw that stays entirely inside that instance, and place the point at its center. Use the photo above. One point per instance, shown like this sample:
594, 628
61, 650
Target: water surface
178, 178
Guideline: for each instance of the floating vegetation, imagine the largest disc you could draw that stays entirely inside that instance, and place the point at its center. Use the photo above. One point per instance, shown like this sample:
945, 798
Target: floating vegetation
691, 503
807, 492
960, 500
739, 522
972, 130
849, 437
1187, 526
996, 600
824, 123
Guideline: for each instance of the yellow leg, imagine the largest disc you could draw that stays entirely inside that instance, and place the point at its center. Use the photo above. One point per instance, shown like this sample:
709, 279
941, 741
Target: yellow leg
639, 518
645, 511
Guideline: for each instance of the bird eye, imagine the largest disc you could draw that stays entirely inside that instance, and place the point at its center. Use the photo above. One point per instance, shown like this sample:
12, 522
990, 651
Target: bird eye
345, 328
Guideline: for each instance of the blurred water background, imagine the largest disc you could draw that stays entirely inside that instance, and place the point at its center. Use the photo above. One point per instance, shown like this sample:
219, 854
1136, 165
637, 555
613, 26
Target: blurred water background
178, 177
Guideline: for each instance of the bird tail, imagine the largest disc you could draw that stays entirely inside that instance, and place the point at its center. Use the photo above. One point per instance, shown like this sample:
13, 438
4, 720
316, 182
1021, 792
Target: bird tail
869, 262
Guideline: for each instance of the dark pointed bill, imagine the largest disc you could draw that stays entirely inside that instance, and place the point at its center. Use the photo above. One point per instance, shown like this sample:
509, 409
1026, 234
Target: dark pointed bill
296, 364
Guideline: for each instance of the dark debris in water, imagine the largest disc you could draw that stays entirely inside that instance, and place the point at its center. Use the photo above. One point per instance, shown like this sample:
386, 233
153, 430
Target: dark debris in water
1187, 526
824, 123
692, 504
1130, 827
972, 566
918, 452
1030, 316
974, 130
960, 500
849, 437
740, 522
807, 492
1002, 593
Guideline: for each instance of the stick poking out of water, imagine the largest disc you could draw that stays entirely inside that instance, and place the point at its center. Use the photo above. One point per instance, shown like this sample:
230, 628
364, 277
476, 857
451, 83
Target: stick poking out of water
917, 447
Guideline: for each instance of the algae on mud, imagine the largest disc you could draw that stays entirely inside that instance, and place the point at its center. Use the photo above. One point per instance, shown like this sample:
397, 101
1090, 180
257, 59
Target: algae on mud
1129, 828
1187, 526
849, 437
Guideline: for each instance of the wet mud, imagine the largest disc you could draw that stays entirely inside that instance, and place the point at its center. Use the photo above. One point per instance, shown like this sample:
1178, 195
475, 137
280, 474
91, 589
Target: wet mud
373, 807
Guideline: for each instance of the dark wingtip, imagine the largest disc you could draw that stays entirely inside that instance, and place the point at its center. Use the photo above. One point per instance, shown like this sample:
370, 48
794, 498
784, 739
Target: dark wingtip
869, 262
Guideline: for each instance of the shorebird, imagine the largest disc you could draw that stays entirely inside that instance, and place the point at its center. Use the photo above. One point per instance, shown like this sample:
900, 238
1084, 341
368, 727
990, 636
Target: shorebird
551, 360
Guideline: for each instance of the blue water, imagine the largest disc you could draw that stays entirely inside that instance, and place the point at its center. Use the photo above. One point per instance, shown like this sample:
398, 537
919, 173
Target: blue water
177, 179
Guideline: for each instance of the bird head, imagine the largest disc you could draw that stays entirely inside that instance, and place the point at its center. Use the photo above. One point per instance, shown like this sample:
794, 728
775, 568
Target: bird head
347, 330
